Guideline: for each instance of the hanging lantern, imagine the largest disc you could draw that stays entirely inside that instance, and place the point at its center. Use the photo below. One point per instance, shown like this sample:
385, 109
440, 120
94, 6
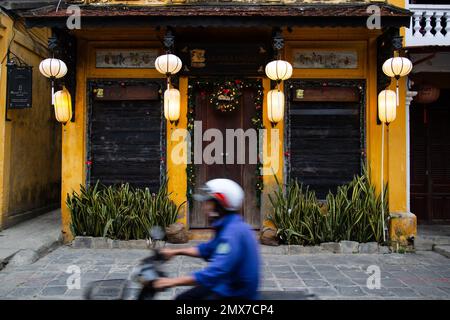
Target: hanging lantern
279, 70
387, 107
172, 105
427, 94
63, 106
53, 69
275, 106
395, 68
168, 64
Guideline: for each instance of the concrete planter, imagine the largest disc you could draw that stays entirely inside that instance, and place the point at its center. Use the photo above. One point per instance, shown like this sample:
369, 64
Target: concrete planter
369, 247
343, 247
333, 247
105, 243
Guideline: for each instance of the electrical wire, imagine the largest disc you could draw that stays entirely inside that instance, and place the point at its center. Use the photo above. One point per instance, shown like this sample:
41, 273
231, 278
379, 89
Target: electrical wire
19, 60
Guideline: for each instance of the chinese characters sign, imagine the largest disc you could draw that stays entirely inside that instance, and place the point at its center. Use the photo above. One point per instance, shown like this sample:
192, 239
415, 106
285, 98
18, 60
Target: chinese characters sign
325, 59
126, 59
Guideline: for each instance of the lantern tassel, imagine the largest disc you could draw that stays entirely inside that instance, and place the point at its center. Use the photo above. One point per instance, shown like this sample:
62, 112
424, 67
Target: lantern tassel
382, 183
398, 102
53, 93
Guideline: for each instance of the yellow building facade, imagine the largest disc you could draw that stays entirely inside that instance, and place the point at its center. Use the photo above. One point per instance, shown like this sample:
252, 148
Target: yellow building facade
317, 30
30, 141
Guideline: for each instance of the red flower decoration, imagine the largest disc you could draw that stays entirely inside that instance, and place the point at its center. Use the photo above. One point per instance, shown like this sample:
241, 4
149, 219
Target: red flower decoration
163, 159
258, 107
237, 81
89, 162
226, 91
287, 153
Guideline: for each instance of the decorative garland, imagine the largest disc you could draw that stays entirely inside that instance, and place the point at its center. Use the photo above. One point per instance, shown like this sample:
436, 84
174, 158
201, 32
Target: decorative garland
226, 97
202, 86
257, 121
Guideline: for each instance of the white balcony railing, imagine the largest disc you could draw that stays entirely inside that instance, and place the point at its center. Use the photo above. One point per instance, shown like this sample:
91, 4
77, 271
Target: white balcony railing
430, 25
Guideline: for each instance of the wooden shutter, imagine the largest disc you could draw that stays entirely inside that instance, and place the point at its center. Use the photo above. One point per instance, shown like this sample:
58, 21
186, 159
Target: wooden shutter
325, 137
125, 138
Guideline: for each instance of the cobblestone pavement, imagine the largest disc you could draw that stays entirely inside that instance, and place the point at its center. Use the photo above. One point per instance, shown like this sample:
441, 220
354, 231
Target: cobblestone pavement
424, 275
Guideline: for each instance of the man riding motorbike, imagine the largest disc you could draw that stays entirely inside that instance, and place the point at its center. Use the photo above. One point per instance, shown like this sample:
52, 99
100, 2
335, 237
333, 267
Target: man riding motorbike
233, 254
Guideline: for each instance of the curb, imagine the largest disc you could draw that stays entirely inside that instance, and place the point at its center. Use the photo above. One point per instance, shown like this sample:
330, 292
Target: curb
438, 244
15, 259
343, 247
82, 242
443, 250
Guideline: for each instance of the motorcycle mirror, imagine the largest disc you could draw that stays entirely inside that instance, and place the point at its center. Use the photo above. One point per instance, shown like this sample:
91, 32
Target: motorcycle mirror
157, 233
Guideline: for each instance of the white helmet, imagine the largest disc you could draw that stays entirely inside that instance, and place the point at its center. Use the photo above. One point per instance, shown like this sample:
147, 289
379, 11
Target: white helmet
227, 192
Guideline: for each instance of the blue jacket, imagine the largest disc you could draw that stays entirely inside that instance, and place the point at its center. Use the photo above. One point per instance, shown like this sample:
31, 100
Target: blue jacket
234, 260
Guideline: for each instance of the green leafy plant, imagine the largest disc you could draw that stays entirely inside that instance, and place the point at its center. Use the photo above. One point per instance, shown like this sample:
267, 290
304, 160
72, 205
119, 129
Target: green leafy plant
352, 213
296, 214
120, 212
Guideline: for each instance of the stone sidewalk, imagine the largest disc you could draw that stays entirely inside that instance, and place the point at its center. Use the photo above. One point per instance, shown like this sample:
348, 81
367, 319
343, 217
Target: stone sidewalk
27, 241
423, 275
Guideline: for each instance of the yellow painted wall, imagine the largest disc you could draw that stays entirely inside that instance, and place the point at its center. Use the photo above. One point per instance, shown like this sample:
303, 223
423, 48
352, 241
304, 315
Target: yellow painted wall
30, 144
397, 156
364, 41
275, 169
74, 133
177, 184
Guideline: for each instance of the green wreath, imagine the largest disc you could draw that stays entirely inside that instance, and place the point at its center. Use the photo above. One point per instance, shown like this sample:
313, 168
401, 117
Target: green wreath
226, 97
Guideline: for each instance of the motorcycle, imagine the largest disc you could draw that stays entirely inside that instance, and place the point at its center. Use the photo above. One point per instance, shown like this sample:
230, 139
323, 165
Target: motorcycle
139, 285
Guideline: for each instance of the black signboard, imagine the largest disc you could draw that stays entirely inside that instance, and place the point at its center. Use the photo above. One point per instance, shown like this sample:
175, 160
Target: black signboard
243, 59
20, 80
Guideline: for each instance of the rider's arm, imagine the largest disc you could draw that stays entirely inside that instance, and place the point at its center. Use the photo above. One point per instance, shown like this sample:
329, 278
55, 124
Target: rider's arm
191, 252
163, 283
204, 250
183, 281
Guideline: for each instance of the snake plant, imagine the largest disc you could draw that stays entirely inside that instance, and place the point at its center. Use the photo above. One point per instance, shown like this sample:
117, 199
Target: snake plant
120, 212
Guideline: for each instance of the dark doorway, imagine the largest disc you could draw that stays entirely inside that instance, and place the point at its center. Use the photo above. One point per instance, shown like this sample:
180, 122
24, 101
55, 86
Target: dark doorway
325, 132
430, 159
244, 174
125, 133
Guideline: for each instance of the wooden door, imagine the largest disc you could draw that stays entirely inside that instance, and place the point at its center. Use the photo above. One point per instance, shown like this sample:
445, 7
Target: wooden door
244, 174
418, 162
430, 160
